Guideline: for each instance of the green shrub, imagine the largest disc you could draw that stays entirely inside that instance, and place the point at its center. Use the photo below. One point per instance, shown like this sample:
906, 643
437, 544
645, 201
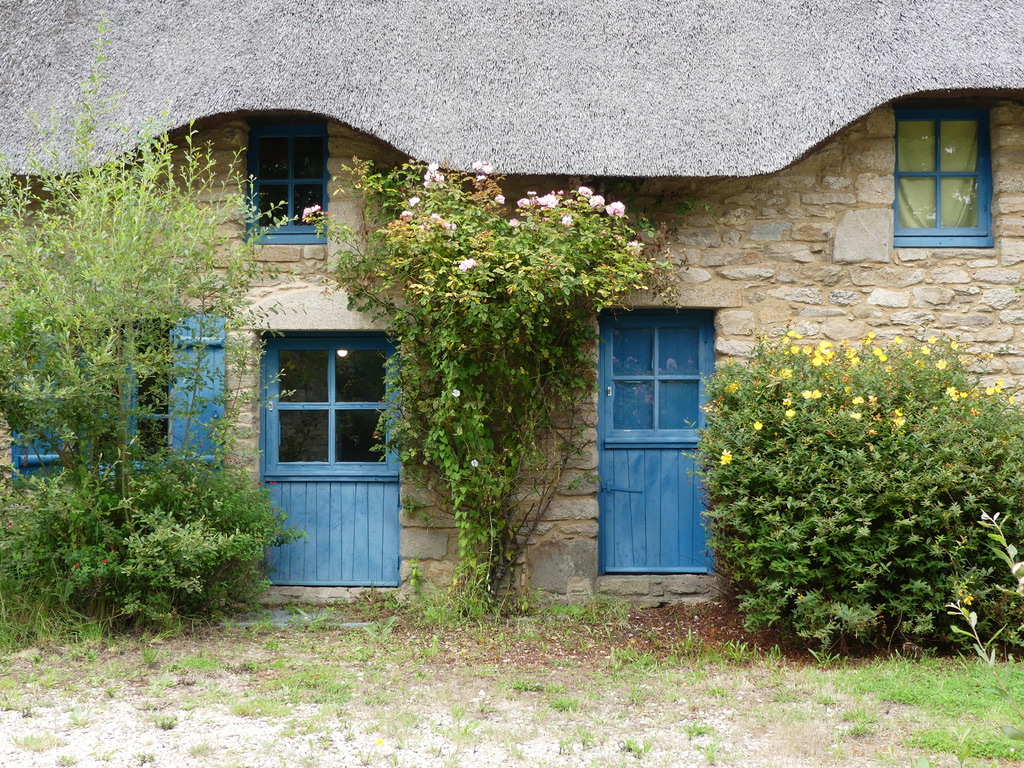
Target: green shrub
189, 537
845, 485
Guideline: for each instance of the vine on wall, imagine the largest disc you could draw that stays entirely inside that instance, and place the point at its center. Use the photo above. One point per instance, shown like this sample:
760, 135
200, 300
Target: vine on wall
494, 317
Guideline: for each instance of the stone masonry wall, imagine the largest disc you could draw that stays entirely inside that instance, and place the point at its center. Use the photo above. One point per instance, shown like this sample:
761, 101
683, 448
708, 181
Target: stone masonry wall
808, 247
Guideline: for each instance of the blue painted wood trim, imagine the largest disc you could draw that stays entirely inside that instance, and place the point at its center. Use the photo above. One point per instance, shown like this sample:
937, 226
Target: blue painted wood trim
291, 233
948, 237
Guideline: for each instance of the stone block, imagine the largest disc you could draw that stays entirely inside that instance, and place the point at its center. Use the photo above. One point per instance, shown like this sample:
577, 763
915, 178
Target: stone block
881, 122
1000, 298
821, 312
999, 334
876, 188
1012, 316
279, 254
1011, 252
580, 590
552, 564
734, 348
734, 322
577, 484
624, 586
687, 584
748, 273
814, 233
824, 274
890, 277
711, 295
911, 317
875, 155
423, 544
838, 330
951, 275
999, 276
864, 236
1008, 204
581, 529
966, 322
769, 231
705, 238
799, 295
694, 275
933, 296
828, 198
883, 297
836, 182
844, 298
572, 508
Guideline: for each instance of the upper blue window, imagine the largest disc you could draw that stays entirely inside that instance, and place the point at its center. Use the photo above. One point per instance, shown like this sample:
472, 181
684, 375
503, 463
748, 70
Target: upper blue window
943, 178
288, 168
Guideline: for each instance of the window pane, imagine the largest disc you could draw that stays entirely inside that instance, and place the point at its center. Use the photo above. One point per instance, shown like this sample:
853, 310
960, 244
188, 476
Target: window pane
916, 145
359, 375
304, 435
307, 195
273, 162
916, 202
303, 375
677, 405
677, 351
959, 146
309, 157
634, 405
273, 200
959, 201
632, 351
355, 436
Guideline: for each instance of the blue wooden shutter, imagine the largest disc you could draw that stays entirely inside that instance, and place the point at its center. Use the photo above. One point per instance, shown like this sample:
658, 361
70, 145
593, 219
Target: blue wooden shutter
35, 458
197, 397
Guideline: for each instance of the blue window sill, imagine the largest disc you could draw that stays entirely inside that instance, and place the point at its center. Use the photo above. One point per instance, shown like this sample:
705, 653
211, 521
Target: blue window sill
952, 241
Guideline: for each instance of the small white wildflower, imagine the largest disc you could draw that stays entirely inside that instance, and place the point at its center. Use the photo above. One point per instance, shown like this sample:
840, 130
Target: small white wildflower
474, 463
456, 393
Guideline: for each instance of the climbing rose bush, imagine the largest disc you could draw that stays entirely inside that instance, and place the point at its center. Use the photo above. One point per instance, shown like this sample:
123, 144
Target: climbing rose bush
493, 309
845, 484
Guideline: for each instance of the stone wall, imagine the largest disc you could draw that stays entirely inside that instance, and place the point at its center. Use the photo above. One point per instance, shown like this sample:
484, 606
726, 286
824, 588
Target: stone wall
808, 247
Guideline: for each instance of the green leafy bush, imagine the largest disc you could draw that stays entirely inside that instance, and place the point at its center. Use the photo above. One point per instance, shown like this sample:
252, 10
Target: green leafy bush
188, 537
845, 485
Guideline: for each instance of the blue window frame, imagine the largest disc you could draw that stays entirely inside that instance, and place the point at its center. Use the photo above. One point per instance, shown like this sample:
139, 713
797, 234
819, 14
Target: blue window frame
288, 168
943, 179
326, 395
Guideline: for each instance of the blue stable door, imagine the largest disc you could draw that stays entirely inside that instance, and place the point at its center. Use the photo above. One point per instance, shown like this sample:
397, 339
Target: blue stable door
651, 373
322, 462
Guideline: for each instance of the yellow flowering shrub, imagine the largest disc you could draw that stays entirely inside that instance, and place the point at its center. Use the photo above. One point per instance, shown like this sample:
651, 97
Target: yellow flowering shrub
845, 482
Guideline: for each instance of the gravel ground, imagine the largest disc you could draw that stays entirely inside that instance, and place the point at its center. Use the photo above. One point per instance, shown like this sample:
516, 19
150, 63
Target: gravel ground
325, 697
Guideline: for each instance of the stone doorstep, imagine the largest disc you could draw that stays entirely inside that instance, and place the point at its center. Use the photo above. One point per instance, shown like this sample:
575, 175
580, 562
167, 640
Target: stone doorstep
280, 595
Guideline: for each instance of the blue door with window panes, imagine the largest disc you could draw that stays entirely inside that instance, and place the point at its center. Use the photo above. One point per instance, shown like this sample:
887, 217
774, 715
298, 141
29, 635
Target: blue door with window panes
320, 439
651, 373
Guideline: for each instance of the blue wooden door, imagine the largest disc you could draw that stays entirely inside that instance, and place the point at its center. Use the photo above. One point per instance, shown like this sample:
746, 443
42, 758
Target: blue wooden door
321, 460
649, 411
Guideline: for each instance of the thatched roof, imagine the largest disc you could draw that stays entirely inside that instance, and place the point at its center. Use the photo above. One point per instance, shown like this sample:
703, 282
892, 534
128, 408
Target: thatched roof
647, 88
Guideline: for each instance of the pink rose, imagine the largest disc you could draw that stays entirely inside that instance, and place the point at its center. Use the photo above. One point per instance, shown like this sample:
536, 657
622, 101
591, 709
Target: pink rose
548, 201
524, 202
406, 215
567, 221
413, 201
513, 222
586, 191
307, 212
615, 209
500, 199
466, 264
636, 245
596, 201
